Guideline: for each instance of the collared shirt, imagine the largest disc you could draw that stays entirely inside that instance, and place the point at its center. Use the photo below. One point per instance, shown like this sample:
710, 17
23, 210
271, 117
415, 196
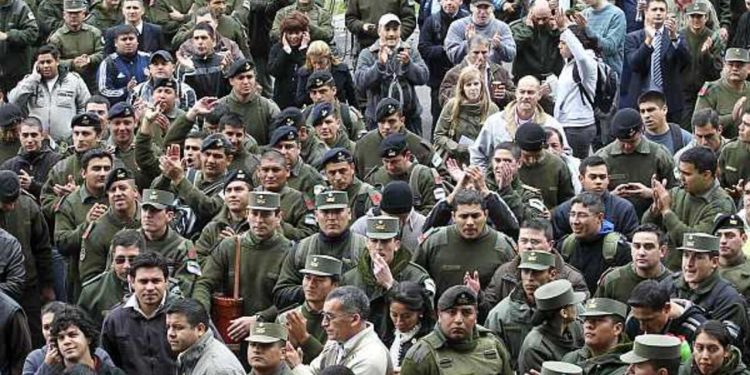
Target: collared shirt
133, 302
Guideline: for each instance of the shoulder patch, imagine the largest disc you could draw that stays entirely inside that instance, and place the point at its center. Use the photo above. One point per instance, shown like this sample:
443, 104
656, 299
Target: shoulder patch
704, 90
419, 352
428, 234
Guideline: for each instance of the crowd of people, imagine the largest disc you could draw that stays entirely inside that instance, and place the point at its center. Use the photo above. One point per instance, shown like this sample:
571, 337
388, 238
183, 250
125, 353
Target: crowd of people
223, 187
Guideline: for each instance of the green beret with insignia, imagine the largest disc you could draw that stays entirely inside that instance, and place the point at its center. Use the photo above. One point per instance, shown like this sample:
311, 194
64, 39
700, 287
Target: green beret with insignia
158, 199
457, 295
267, 333
700, 243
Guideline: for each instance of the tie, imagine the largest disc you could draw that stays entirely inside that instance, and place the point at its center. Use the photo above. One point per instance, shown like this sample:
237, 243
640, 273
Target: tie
656, 78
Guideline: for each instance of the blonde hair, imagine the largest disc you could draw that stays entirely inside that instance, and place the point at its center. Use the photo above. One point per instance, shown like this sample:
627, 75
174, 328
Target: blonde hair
319, 48
467, 74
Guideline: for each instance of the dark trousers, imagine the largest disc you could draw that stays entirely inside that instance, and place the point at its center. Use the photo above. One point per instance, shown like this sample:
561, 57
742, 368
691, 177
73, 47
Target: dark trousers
32, 306
580, 139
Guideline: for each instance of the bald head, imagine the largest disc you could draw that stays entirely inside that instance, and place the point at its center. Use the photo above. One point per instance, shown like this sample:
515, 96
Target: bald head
540, 13
529, 81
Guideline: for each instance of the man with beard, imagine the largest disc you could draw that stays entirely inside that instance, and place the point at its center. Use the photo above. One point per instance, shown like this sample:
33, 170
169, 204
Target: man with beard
51, 93
78, 210
161, 65
510, 320
728, 95
121, 71
458, 334
302, 177
12, 116
35, 159
338, 166
100, 294
322, 275
191, 339
79, 43
123, 212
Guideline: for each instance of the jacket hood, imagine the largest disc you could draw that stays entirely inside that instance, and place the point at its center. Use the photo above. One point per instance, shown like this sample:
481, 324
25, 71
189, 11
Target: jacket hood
607, 227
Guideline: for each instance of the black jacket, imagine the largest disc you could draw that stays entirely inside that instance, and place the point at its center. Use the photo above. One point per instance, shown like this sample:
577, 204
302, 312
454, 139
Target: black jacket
12, 269
588, 258
37, 164
618, 211
683, 326
15, 339
151, 39
207, 78
342, 77
431, 37
501, 217
283, 66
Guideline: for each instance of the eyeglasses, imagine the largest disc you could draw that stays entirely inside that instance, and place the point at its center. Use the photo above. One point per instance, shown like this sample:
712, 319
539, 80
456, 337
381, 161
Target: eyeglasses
331, 317
120, 259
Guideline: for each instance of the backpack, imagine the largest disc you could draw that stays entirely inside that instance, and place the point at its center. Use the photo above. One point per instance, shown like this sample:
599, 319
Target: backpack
675, 131
609, 247
606, 87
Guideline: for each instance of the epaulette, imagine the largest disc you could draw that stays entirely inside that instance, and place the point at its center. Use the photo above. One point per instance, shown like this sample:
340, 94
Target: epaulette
705, 89
429, 233
604, 275
531, 188
419, 352
94, 279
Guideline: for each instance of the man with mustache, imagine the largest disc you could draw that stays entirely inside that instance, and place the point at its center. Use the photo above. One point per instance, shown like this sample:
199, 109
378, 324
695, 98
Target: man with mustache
729, 94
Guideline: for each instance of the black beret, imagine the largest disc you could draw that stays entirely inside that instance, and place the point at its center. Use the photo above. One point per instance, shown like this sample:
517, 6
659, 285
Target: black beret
86, 119
318, 79
728, 221
284, 133
319, 113
239, 175
457, 295
336, 155
392, 145
10, 186
240, 66
216, 141
120, 110
10, 114
531, 137
626, 123
387, 107
165, 82
118, 174
290, 116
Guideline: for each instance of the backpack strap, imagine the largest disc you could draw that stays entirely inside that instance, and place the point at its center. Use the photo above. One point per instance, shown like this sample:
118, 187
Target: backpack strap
676, 133
609, 248
346, 117
585, 97
413, 183
568, 246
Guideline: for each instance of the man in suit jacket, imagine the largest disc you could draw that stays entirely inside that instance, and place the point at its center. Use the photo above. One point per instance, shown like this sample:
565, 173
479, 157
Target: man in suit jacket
659, 35
150, 36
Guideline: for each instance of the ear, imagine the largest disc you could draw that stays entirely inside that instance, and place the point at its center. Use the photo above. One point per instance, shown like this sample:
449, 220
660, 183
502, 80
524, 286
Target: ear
662, 251
170, 215
553, 273
618, 328
398, 244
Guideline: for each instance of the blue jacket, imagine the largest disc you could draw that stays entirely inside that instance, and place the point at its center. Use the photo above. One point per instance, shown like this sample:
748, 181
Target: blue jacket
619, 211
116, 71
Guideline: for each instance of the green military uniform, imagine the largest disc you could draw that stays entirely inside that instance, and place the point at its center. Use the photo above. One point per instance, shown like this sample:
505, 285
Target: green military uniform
321, 27
70, 224
721, 97
448, 257
312, 150
421, 180
401, 267
101, 293
103, 18
346, 248
510, 320
480, 353
203, 196
733, 163
738, 274
227, 26
349, 117
607, 363
362, 196
257, 113
58, 175
18, 22
653, 347
648, 159
159, 14
269, 333
86, 41
367, 157
243, 159
211, 234
525, 201
50, 14
545, 342
298, 222
690, 213
319, 265
260, 264
551, 176
9, 150
618, 282
304, 178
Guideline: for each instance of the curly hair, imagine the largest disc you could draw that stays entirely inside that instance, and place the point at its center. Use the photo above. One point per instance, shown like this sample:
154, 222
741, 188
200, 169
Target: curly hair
73, 316
295, 21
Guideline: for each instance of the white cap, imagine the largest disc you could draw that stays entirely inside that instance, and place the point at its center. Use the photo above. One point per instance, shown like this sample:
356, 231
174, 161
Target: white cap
388, 17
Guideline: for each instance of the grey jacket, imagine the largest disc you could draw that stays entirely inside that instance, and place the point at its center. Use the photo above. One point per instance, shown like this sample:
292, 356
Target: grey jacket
34, 364
457, 46
208, 356
12, 270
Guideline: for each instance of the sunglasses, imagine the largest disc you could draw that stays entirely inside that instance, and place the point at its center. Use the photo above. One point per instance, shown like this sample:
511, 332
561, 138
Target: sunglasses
121, 259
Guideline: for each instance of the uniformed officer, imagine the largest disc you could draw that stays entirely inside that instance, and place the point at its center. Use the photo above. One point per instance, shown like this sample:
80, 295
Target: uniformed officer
524, 200
510, 320
338, 167
311, 148
734, 156
560, 368
469, 251
398, 165
19, 33
328, 127
302, 177
232, 219
383, 266
299, 221
122, 123
733, 266
334, 239
457, 344
605, 338
266, 347
105, 14
232, 127
110, 287
78, 209
123, 212
633, 160
321, 88
80, 44
390, 120
262, 251
322, 274
556, 330
542, 169
728, 95
653, 354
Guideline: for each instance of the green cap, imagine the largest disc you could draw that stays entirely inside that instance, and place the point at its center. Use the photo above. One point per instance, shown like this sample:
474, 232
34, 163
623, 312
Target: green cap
322, 265
737, 54
605, 307
330, 200
537, 260
158, 199
697, 7
700, 243
557, 294
267, 333
264, 200
648, 347
74, 5
560, 368
382, 227
457, 295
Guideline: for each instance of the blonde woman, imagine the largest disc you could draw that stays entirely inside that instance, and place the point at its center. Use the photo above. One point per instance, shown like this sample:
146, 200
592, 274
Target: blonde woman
320, 57
463, 115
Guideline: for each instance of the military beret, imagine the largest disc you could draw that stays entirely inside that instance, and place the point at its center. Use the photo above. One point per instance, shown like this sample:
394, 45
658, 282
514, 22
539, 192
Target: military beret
165, 82
284, 133
653, 347
10, 114
387, 107
728, 221
159, 199
626, 123
10, 186
120, 110
118, 174
239, 175
240, 66
531, 137
392, 145
337, 155
164, 55
318, 79
457, 295
290, 116
86, 119
319, 113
